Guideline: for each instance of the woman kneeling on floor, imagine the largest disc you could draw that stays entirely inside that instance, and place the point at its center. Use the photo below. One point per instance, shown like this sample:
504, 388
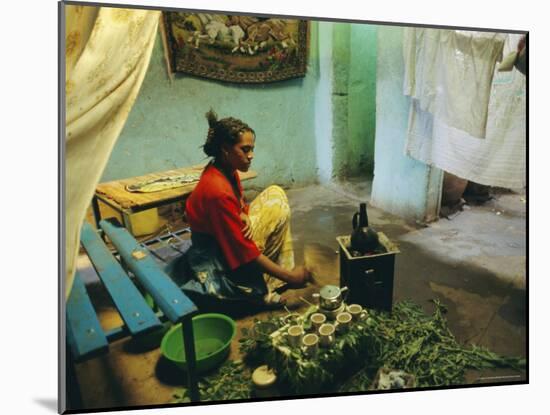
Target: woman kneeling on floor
239, 252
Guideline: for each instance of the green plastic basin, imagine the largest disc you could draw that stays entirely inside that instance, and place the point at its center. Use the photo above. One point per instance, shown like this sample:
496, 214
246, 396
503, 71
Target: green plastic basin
213, 335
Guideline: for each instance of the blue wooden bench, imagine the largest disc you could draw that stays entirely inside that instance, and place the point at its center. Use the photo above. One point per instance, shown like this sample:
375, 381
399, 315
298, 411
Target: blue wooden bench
86, 338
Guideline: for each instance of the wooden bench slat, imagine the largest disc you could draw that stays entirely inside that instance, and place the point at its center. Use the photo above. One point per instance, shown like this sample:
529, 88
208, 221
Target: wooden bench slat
136, 313
84, 333
167, 295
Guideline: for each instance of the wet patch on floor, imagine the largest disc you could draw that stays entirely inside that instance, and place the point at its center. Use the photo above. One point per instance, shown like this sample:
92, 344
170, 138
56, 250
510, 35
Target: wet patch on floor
474, 313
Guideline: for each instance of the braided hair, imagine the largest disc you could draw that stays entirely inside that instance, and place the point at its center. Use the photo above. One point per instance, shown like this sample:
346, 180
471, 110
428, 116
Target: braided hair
224, 131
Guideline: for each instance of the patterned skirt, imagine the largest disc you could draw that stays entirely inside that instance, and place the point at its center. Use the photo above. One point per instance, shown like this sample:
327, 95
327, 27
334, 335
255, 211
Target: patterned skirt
270, 222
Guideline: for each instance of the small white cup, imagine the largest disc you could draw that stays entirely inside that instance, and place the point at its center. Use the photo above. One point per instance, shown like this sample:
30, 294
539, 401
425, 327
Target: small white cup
343, 321
357, 311
317, 319
326, 335
310, 344
295, 334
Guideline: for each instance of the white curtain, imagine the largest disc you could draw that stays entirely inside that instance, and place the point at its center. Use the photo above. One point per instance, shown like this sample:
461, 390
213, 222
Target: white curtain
107, 52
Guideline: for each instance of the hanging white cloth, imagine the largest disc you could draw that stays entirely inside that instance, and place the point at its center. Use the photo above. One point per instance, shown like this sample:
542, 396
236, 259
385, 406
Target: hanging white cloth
497, 160
450, 72
107, 52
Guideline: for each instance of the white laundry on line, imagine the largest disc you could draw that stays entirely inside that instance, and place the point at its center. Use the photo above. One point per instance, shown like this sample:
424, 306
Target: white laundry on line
499, 159
450, 74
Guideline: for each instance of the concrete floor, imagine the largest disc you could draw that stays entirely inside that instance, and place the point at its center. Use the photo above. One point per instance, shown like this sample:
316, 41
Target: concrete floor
475, 263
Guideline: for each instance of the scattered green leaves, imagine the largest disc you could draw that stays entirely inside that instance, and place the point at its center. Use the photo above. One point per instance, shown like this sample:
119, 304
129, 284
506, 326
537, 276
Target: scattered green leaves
408, 339
230, 382
423, 345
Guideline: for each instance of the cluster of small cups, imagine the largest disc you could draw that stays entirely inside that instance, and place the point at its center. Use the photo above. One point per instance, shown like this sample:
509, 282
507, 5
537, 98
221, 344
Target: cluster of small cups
324, 333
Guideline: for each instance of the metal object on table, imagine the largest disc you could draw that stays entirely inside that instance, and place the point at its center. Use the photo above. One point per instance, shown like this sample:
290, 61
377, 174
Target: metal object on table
330, 297
331, 300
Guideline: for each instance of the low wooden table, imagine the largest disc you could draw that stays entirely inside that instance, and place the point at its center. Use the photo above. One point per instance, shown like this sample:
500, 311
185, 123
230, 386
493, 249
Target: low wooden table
115, 195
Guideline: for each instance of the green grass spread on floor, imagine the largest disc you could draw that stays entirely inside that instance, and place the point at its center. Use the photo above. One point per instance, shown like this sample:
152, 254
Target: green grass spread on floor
407, 340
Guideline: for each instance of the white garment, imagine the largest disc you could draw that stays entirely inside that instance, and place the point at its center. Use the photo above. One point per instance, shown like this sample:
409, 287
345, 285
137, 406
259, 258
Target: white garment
450, 73
500, 159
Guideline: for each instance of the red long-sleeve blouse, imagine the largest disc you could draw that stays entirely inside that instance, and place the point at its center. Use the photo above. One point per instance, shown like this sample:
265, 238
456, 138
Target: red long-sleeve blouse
214, 209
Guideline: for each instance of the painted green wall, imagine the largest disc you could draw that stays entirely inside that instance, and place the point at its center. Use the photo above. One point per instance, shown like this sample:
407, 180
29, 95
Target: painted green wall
362, 97
340, 84
354, 98
401, 185
167, 126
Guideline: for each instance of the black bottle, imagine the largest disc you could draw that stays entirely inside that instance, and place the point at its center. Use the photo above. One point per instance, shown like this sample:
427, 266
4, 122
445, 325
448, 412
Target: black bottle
364, 239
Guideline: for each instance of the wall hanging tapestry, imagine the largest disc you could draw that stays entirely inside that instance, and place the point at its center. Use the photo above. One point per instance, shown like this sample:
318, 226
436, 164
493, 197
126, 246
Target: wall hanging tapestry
244, 49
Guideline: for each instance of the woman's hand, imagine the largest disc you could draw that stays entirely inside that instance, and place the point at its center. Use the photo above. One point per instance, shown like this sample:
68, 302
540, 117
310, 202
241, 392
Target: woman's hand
247, 229
300, 275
